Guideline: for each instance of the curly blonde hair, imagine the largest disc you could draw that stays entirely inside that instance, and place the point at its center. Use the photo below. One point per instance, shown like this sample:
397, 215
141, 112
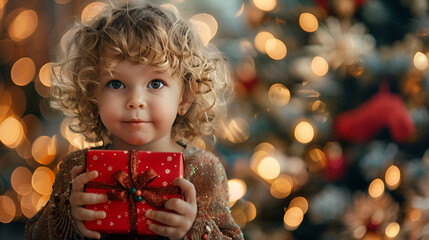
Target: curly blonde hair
142, 33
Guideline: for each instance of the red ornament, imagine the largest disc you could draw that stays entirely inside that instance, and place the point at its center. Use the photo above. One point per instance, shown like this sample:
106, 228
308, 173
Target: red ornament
384, 110
138, 193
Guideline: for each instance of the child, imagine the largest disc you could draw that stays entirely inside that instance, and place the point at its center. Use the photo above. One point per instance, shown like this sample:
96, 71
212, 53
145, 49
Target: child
138, 77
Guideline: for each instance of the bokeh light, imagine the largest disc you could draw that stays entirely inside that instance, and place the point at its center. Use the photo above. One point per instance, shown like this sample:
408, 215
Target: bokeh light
308, 22
265, 5
269, 168
319, 66
237, 189
261, 39
420, 61
42, 181
293, 218
171, 8
91, 11
23, 26
392, 230
44, 149
7, 209
21, 180
23, 71
376, 188
281, 187
316, 160
304, 132
45, 74
236, 130
206, 26
393, 177
278, 95
275, 49
11, 132
300, 202
29, 203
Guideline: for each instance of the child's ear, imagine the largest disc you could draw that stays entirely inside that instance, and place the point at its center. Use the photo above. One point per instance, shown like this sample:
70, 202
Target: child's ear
186, 99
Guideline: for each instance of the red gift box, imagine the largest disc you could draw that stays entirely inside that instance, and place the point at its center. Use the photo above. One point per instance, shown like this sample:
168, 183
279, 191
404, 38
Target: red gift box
135, 181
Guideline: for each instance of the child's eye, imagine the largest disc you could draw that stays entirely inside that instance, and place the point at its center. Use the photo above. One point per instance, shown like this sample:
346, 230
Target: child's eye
156, 84
116, 84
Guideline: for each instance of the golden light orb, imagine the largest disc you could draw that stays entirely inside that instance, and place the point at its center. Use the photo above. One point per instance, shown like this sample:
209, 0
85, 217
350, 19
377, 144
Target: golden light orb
275, 49
21, 180
308, 22
7, 209
376, 188
319, 66
281, 187
91, 11
11, 132
237, 189
278, 95
392, 230
293, 218
300, 202
393, 177
304, 132
23, 26
45, 74
420, 61
23, 71
42, 180
261, 39
269, 168
265, 5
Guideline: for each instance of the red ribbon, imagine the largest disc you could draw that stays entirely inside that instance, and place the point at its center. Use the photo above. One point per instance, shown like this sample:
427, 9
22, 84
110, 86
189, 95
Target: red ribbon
127, 181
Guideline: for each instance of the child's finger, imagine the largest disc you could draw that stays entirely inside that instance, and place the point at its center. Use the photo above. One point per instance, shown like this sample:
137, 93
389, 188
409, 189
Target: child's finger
188, 189
79, 182
84, 214
77, 170
81, 198
86, 232
171, 232
179, 206
170, 219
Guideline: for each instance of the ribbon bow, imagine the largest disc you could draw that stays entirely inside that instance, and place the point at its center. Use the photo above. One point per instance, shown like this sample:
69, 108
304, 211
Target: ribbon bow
139, 189
133, 187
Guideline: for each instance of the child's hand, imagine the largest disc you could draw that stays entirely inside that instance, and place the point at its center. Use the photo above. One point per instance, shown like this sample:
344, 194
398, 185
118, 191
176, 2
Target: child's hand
180, 222
78, 199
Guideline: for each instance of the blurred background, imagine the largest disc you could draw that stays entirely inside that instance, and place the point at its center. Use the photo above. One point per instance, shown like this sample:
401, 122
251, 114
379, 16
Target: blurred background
327, 137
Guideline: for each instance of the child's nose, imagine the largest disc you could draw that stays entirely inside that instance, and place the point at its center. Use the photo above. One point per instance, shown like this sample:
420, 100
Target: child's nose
136, 100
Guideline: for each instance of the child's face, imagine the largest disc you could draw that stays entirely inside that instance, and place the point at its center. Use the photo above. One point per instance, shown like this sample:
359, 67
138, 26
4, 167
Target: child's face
138, 105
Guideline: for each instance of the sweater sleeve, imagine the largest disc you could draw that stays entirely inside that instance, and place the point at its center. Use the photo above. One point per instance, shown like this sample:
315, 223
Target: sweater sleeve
54, 221
214, 219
